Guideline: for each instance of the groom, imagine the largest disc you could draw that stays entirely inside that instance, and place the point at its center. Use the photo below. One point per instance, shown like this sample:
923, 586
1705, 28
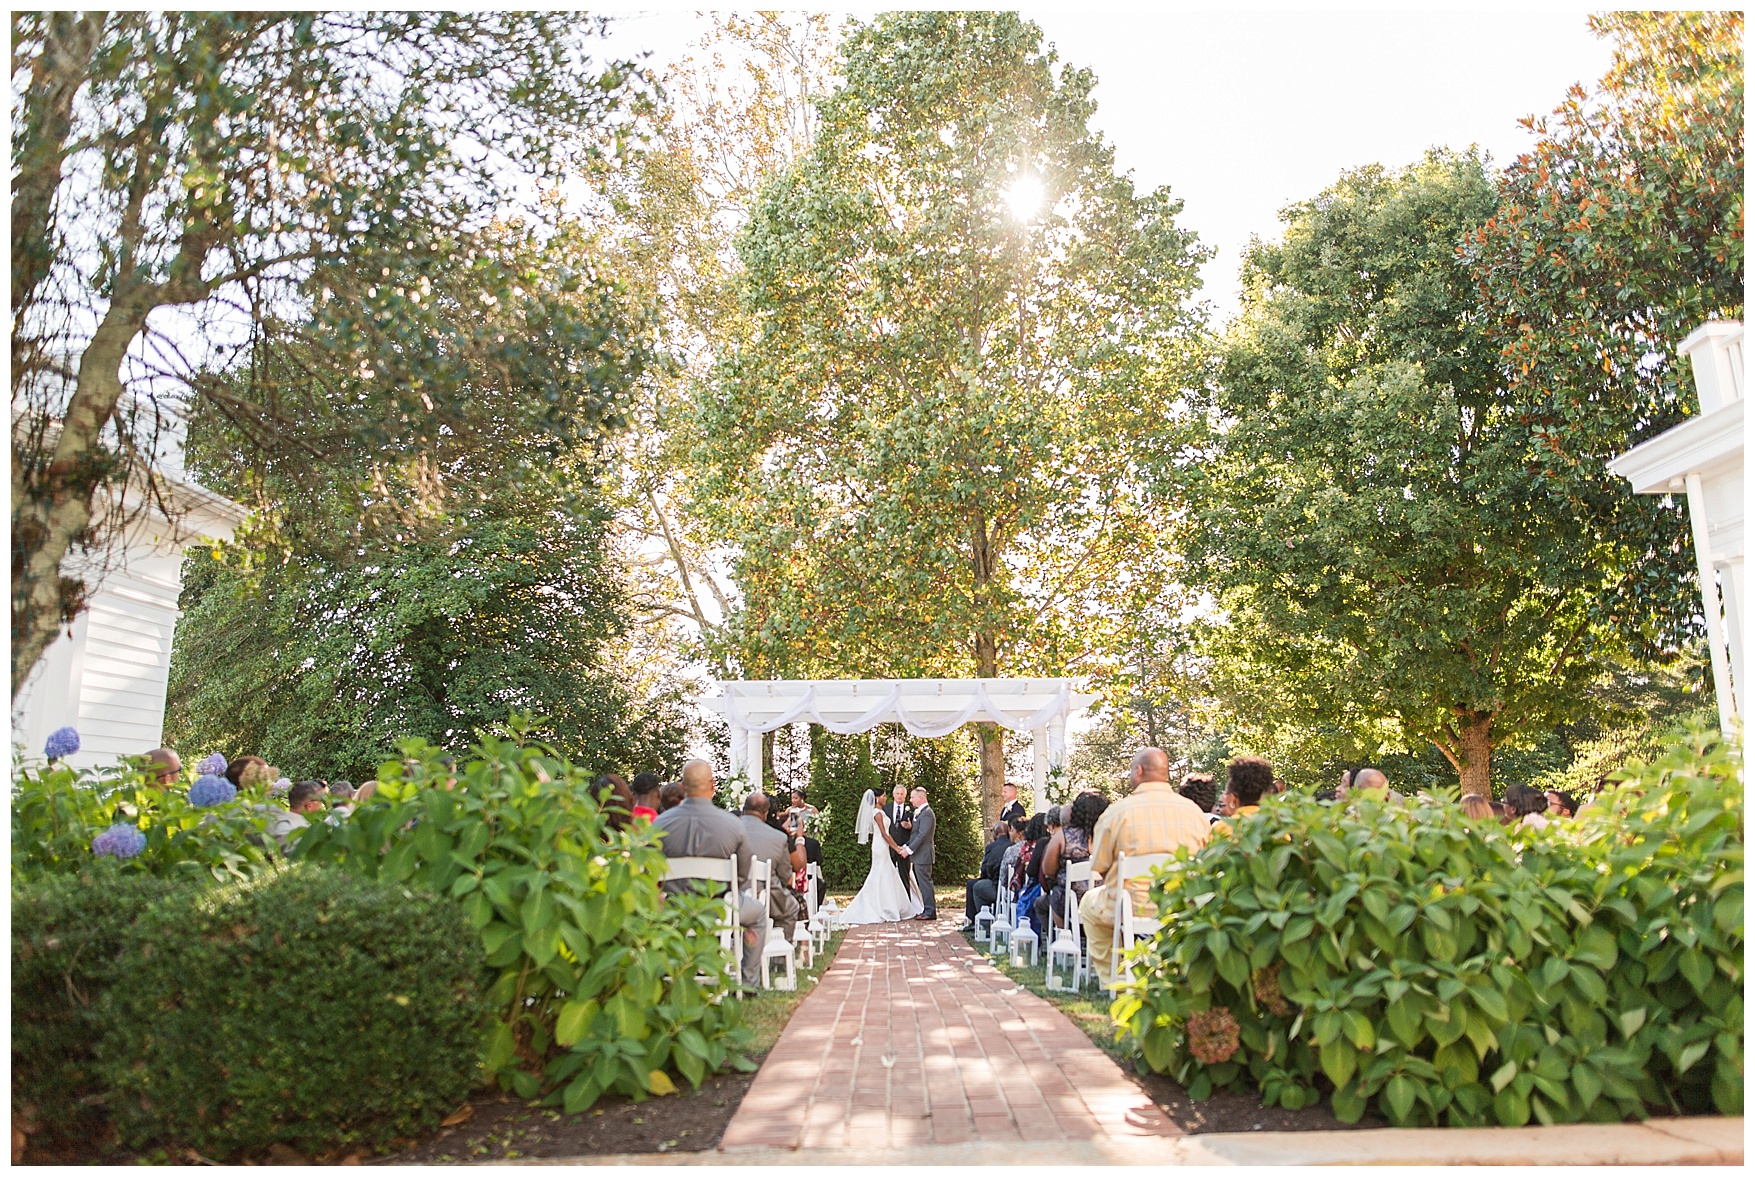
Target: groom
918, 851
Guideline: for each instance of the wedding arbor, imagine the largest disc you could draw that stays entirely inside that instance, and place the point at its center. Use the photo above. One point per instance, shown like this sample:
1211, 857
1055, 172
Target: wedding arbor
926, 707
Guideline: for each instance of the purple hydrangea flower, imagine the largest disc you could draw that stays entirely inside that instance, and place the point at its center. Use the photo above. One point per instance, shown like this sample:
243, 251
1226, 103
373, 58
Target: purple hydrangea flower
121, 840
214, 765
281, 787
209, 789
63, 741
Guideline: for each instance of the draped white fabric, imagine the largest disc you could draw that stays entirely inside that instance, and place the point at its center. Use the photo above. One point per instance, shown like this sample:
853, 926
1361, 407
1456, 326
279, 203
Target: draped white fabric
828, 703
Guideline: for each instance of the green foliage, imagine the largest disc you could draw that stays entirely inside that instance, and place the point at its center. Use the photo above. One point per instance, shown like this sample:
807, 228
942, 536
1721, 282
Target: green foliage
1448, 971
595, 970
1364, 512
1616, 236
947, 769
306, 1007
509, 602
67, 936
57, 811
841, 770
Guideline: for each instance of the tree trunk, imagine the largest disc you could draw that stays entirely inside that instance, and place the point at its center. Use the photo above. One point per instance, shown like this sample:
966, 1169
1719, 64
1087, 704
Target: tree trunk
1475, 756
992, 737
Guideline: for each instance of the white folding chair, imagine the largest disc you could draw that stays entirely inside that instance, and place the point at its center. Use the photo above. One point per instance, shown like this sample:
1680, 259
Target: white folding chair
1129, 926
1069, 942
716, 870
819, 913
771, 941
1000, 935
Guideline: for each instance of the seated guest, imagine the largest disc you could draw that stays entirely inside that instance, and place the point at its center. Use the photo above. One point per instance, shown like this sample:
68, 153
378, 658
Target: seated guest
341, 795
670, 795
1246, 779
1041, 879
1030, 852
1371, 784
645, 789
1529, 805
1153, 819
1008, 866
1478, 807
302, 799
162, 767
1324, 795
1198, 787
696, 828
1072, 844
250, 771
1561, 804
616, 798
982, 890
773, 847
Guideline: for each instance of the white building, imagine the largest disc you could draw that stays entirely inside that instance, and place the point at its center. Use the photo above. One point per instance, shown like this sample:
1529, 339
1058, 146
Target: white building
106, 675
1703, 459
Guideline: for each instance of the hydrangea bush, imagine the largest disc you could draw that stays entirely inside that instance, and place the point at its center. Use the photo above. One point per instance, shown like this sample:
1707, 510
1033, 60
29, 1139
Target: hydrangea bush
62, 742
1442, 970
600, 981
64, 818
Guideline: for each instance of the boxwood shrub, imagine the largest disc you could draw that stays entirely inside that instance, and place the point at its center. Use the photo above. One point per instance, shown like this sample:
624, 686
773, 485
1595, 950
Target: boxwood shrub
1453, 972
67, 932
305, 1007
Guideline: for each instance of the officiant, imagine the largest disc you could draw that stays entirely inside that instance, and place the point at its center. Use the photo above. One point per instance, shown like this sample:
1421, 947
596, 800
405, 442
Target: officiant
900, 815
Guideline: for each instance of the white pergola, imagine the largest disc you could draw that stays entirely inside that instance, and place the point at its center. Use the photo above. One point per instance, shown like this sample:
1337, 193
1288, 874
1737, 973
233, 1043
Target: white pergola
929, 707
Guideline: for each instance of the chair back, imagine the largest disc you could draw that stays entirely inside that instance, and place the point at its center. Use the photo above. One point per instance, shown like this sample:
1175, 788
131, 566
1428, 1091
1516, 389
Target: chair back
1132, 866
1076, 872
718, 870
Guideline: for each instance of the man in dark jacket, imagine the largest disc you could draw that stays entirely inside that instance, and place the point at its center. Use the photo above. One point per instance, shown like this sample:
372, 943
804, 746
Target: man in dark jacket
984, 890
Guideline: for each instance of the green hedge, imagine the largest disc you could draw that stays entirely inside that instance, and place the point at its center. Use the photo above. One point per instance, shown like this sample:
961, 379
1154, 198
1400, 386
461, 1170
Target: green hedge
67, 934
595, 971
1447, 971
304, 1007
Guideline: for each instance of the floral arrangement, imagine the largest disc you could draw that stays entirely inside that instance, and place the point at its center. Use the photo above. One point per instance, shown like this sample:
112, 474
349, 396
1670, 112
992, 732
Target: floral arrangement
209, 790
62, 742
121, 840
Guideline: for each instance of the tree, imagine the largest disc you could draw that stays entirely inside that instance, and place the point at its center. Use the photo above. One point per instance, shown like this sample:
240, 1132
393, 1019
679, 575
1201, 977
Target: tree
321, 665
1388, 575
217, 163
1617, 235
961, 326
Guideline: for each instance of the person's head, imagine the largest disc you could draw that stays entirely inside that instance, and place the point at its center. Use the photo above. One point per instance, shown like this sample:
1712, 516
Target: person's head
1018, 827
697, 779
1477, 807
305, 797
1569, 803
1198, 787
1149, 764
1369, 780
1526, 800
616, 798
798, 798
670, 795
1324, 795
1036, 828
899, 794
341, 790
1054, 821
162, 767
1085, 810
756, 805
1558, 803
448, 773
1008, 792
918, 796
1000, 830
1247, 778
645, 788
254, 766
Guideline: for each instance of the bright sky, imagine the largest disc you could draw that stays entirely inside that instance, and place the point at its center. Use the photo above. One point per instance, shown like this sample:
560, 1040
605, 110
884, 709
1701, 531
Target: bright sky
1242, 113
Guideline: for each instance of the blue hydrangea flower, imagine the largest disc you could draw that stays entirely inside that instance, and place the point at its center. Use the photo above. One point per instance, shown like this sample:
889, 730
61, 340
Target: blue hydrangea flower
214, 765
121, 840
210, 789
63, 741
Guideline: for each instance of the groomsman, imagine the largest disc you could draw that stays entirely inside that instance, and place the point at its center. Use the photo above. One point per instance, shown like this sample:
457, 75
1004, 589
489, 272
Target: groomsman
1010, 806
901, 818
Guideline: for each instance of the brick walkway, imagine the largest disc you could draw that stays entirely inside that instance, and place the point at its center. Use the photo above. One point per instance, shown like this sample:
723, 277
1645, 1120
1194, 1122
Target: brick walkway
911, 1038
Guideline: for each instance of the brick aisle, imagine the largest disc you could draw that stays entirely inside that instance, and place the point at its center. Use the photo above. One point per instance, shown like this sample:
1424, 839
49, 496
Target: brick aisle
911, 1038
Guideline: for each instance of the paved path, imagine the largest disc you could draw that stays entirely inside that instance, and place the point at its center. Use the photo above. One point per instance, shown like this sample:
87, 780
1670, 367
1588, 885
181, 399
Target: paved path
913, 1039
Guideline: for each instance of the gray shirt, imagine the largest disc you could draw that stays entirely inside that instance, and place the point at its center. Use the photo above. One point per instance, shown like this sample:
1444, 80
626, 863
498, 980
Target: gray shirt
769, 843
698, 828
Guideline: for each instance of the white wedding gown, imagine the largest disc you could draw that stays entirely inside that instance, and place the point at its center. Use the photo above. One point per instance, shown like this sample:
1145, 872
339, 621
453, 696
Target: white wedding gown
883, 899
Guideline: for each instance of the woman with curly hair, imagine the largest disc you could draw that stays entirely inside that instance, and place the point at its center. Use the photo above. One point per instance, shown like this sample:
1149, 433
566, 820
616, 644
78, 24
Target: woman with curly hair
1072, 843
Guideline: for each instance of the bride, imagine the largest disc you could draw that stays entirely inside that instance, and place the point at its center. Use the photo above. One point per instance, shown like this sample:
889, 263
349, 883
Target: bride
884, 899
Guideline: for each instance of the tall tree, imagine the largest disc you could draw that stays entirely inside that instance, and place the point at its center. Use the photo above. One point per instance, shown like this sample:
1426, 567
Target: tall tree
217, 162
964, 331
1364, 513
1617, 234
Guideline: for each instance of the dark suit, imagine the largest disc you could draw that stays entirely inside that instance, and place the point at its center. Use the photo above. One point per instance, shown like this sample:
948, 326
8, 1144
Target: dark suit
1015, 809
901, 825
985, 889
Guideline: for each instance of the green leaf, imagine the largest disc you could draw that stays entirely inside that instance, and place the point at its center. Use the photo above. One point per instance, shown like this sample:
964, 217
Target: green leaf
1338, 1059
1400, 1093
575, 1018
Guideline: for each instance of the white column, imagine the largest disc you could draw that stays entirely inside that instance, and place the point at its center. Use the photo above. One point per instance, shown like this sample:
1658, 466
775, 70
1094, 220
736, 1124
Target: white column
1039, 767
1057, 743
1731, 585
1709, 602
753, 762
